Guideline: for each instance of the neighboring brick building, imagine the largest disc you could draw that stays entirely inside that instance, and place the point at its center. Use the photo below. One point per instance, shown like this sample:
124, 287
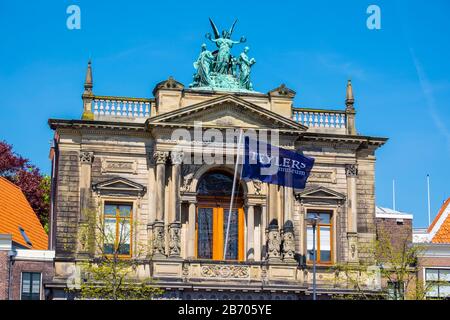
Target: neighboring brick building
25, 263
395, 224
434, 260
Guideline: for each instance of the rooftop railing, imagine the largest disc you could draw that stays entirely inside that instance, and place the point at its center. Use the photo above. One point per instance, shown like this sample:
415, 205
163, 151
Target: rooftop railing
139, 109
318, 119
105, 107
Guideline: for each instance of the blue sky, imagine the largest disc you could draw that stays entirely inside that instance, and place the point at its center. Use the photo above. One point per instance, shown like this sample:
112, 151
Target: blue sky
400, 73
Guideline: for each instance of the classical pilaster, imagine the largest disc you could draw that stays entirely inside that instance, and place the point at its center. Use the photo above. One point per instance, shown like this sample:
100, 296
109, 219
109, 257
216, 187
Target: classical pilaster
160, 160
288, 243
175, 215
86, 159
158, 226
351, 171
264, 232
250, 233
177, 159
273, 238
191, 200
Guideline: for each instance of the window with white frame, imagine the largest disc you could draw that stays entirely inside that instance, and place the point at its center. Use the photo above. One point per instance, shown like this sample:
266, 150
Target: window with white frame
31, 286
437, 282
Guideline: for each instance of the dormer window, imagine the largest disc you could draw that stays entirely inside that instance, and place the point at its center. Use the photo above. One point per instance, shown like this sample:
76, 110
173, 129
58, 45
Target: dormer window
25, 236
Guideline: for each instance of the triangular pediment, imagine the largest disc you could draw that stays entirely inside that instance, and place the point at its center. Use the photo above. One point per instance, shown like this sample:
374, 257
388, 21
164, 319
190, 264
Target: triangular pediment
320, 193
119, 185
227, 111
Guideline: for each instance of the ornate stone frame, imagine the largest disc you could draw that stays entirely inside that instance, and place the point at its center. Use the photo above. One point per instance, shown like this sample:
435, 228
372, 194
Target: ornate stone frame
128, 192
321, 198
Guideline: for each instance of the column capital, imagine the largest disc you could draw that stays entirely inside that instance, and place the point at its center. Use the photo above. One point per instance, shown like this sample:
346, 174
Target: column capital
351, 170
160, 157
86, 157
177, 157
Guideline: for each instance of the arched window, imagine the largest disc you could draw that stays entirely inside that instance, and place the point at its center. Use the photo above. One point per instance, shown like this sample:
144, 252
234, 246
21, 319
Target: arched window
213, 207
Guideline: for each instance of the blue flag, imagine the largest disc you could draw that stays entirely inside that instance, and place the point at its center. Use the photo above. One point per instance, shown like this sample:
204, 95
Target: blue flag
275, 165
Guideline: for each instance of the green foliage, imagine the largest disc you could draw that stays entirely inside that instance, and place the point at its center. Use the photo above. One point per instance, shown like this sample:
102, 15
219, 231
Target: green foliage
398, 264
109, 275
398, 267
46, 191
109, 278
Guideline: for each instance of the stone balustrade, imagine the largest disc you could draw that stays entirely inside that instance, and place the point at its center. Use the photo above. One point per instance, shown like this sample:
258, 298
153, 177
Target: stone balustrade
120, 108
321, 120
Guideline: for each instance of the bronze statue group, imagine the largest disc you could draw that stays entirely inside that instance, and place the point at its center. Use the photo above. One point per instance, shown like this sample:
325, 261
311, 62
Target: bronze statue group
219, 69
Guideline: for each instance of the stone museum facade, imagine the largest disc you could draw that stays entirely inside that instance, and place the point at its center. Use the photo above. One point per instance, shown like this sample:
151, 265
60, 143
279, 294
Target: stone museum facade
121, 160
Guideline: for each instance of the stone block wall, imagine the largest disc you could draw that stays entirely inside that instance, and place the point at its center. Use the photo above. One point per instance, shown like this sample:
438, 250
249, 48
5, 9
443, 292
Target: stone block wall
68, 204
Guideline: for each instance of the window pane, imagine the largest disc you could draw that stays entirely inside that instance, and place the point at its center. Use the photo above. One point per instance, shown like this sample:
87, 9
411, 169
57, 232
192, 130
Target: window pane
36, 286
124, 237
444, 291
205, 233
325, 218
233, 241
124, 210
431, 274
26, 282
309, 243
110, 235
36, 283
433, 291
218, 184
110, 209
325, 243
444, 274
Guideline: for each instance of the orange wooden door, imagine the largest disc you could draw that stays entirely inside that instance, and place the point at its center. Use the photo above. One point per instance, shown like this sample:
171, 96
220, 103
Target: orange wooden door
219, 226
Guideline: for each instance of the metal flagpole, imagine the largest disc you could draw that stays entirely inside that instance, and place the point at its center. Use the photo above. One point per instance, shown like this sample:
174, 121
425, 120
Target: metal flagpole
232, 194
429, 205
393, 194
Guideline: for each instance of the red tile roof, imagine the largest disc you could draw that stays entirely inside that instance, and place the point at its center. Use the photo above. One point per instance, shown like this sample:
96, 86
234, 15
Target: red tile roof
442, 234
15, 213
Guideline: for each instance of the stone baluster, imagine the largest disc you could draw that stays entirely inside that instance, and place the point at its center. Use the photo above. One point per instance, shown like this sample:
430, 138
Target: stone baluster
102, 108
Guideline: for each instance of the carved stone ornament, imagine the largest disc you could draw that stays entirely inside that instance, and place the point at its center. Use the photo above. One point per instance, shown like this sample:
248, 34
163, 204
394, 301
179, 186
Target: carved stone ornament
328, 176
177, 157
174, 240
160, 157
158, 239
188, 173
288, 245
258, 186
225, 271
274, 243
86, 157
351, 170
119, 166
